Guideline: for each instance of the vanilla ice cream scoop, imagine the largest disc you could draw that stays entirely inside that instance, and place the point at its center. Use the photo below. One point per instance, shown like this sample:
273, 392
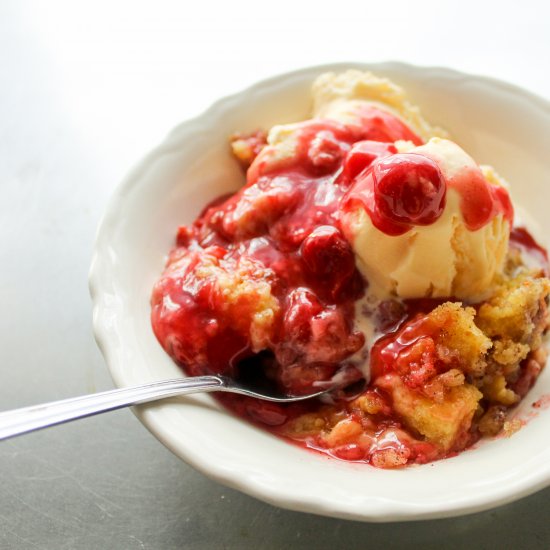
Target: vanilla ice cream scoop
427, 222
377, 103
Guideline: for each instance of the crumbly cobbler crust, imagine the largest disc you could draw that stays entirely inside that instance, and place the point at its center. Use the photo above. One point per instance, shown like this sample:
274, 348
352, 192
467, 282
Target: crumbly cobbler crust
454, 386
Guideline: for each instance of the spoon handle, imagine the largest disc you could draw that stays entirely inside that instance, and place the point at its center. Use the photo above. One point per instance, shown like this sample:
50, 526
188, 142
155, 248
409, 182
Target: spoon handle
28, 419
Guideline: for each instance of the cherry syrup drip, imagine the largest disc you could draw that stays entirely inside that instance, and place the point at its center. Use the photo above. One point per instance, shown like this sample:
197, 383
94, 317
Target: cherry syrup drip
521, 239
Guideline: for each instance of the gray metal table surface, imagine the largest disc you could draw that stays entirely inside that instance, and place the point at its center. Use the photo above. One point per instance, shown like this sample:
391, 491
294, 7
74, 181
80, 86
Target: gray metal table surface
75, 113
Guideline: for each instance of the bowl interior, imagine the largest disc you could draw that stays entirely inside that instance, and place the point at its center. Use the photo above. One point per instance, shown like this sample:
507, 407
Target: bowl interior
496, 123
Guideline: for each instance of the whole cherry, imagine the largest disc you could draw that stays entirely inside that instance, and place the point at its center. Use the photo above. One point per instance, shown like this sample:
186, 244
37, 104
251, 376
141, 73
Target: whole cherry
328, 258
409, 189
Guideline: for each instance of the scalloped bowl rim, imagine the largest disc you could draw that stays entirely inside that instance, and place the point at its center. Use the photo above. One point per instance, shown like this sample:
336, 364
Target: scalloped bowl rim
107, 313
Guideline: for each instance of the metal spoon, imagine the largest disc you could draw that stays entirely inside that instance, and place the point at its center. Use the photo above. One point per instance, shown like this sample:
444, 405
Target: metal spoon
29, 419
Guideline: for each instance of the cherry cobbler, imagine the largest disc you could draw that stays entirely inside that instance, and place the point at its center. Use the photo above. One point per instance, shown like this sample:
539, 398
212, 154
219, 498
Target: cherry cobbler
365, 250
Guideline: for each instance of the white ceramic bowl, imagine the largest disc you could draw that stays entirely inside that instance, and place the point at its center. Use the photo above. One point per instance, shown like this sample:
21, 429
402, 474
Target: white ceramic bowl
497, 123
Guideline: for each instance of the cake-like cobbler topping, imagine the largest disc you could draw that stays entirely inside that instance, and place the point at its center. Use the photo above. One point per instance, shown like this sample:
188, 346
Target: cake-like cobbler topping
366, 250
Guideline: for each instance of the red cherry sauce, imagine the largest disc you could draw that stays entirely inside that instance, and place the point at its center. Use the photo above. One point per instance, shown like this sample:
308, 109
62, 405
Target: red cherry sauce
521, 239
283, 228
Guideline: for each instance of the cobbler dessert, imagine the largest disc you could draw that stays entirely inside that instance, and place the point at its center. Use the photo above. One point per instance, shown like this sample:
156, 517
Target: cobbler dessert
367, 250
